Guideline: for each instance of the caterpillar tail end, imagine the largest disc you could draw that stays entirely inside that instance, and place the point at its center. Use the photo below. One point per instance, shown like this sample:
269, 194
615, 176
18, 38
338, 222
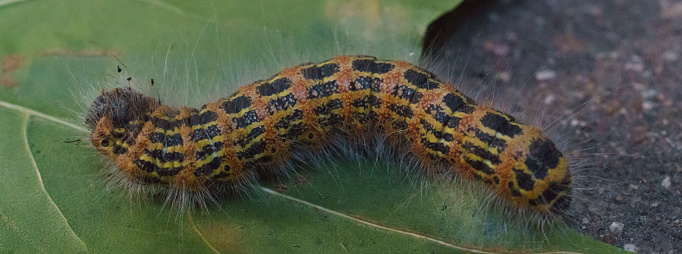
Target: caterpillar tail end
543, 180
555, 199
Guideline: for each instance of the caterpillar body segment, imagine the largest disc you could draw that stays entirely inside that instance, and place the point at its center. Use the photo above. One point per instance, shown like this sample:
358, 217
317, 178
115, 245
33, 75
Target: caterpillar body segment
303, 108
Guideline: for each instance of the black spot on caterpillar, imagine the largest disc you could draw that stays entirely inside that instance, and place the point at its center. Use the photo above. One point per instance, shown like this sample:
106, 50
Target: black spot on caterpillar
227, 142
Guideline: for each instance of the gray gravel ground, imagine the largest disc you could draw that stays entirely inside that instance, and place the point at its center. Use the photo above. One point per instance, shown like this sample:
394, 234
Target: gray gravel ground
607, 76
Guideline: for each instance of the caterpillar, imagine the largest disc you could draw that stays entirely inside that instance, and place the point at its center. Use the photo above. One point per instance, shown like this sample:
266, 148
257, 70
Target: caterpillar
225, 144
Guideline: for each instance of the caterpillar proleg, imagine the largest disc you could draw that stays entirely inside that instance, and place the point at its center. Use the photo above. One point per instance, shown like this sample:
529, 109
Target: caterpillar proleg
226, 143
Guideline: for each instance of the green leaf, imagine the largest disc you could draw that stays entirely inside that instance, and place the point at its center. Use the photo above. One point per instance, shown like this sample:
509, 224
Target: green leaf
54, 198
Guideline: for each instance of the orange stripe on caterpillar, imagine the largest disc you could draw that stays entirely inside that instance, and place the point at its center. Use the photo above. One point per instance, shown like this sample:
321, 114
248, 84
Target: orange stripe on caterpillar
227, 142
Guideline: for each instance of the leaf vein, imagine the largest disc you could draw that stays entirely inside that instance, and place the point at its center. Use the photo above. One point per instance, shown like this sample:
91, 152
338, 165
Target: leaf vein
174, 9
42, 115
196, 229
371, 224
24, 127
5, 3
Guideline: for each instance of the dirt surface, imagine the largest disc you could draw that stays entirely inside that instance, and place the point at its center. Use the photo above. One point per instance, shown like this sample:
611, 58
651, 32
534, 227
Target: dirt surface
607, 78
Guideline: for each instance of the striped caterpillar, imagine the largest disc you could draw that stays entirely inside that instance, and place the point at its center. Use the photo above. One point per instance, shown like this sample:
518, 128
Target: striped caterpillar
226, 143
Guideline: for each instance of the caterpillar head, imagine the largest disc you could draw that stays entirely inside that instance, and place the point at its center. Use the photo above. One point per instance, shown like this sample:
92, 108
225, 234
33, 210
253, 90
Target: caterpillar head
115, 117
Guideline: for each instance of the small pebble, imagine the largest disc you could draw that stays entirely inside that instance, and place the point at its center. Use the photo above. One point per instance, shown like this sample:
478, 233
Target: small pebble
647, 106
666, 182
635, 65
545, 75
630, 247
549, 99
586, 220
654, 205
670, 56
593, 209
649, 93
616, 227
580, 123
638, 86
